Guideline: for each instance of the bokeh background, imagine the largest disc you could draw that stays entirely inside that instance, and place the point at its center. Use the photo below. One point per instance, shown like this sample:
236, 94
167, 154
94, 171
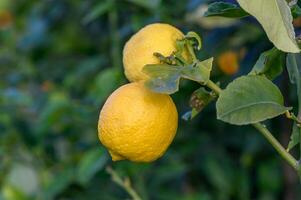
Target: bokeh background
59, 61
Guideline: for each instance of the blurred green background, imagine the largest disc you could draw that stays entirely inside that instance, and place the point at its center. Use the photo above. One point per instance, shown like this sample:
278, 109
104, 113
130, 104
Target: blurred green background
59, 61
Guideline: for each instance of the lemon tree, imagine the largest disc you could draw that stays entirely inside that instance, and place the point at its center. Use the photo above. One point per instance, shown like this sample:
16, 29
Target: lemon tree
139, 120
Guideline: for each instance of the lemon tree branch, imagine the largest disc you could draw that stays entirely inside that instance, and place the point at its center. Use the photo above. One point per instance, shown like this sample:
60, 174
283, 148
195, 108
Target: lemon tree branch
125, 184
266, 133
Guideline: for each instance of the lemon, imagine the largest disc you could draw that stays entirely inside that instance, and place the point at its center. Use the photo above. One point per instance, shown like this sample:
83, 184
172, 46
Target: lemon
228, 62
137, 124
139, 50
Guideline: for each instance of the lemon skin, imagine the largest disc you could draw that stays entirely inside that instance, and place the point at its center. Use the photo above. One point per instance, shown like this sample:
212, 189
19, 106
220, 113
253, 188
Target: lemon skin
139, 50
137, 124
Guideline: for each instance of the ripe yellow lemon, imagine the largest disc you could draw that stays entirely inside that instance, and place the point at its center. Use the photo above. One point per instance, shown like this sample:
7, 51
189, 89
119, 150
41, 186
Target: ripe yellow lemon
228, 62
137, 124
139, 50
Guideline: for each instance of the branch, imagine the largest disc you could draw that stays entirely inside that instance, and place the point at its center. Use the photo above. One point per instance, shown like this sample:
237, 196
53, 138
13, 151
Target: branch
266, 133
125, 184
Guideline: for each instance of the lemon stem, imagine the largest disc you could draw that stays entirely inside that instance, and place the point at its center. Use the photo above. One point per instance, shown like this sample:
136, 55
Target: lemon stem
192, 53
125, 184
266, 133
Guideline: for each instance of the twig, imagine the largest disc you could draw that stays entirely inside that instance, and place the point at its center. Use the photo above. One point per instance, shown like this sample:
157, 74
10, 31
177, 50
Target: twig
125, 184
266, 133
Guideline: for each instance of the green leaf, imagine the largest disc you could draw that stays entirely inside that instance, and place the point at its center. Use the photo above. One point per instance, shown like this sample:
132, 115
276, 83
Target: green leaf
98, 10
276, 18
250, 99
295, 137
56, 183
99, 91
149, 4
296, 11
199, 72
293, 65
90, 164
199, 100
195, 36
166, 78
270, 64
224, 9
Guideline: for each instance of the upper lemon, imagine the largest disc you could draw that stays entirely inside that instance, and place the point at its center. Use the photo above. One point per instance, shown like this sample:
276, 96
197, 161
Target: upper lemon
137, 124
139, 50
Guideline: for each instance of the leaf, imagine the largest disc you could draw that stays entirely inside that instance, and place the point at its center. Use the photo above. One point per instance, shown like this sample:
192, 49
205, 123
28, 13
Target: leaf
99, 91
98, 10
293, 65
199, 100
224, 9
295, 137
57, 182
90, 164
166, 78
200, 72
149, 4
270, 64
296, 11
276, 18
194, 35
250, 99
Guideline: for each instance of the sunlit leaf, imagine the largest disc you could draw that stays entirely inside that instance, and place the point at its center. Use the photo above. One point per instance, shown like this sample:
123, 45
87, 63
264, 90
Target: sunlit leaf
276, 18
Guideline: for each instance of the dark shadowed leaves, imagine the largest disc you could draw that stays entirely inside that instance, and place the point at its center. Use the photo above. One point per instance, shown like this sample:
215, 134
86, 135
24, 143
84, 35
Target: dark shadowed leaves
270, 64
199, 100
91, 162
295, 137
224, 9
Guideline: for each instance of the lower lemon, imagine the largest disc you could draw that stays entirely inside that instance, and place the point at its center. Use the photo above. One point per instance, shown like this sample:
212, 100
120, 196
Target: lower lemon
137, 124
